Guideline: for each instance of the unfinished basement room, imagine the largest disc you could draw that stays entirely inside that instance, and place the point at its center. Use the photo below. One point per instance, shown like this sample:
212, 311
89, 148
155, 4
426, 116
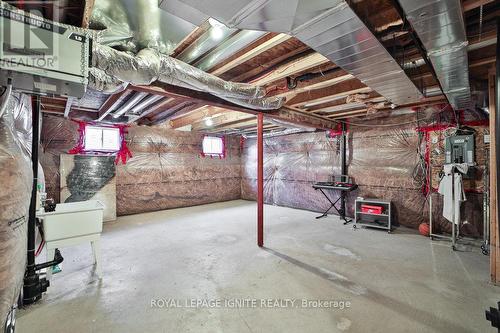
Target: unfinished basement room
249, 166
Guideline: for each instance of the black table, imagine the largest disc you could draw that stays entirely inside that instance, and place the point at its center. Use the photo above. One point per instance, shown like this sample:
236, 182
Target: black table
335, 186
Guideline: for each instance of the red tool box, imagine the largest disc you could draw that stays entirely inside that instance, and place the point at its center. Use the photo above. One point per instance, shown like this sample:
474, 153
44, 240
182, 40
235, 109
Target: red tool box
371, 209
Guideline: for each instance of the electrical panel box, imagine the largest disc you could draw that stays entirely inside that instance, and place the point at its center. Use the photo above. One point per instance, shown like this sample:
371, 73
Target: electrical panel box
460, 149
41, 56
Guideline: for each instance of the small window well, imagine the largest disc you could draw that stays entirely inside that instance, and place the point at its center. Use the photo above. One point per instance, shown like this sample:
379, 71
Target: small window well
213, 146
105, 139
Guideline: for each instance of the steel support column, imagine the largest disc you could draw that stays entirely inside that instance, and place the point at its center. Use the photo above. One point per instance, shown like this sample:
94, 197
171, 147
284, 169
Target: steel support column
343, 170
260, 180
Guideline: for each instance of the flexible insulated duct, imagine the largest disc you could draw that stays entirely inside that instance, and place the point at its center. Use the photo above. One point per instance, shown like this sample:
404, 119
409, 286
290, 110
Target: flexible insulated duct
150, 65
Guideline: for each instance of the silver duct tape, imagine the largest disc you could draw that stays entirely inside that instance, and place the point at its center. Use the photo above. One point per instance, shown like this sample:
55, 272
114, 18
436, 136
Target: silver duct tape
149, 65
16, 177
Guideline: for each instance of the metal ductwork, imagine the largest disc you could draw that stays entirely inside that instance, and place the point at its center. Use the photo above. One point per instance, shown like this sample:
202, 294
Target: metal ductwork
208, 41
228, 48
330, 27
440, 26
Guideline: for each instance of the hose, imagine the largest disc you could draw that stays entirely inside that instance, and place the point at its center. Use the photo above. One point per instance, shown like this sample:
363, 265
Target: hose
5, 100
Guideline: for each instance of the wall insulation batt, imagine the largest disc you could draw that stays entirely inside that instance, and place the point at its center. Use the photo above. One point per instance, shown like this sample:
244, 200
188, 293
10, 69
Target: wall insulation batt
382, 161
165, 171
16, 178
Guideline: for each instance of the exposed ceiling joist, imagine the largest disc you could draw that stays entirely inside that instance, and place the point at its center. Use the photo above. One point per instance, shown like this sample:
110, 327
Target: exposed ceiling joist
296, 66
75, 114
190, 38
112, 102
186, 110
344, 89
223, 120
167, 111
280, 38
195, 115
321, 82
67, 108
426, 102
87, 13
157, 108
469, 5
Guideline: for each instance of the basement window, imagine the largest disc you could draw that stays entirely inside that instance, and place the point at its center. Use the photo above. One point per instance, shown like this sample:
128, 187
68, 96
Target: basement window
213, 146
102, 139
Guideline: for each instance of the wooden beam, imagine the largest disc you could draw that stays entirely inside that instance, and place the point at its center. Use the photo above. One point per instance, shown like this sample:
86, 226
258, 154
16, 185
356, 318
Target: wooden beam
185, 110
264, 62
62, 108
75, 114
280, 38
169, 112
156, 107
288, 69
87, 13
244, 123
226, 120
67, 108
482, 62
331, 93
342, 105
195, 116
190, 38
323, 81
425, 102
285, 113
469, 5
112, 102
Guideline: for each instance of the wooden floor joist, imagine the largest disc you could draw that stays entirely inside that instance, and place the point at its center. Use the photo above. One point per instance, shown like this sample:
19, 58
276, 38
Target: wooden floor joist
252, 53
312, 98
296, 66
468, 5
111, 103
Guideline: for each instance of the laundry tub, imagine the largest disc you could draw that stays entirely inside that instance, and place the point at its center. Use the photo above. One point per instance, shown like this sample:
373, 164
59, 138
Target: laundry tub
71, 224
72, 219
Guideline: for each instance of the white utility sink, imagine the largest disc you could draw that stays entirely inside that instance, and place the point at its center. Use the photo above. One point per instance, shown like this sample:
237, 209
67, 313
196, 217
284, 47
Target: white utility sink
71, 224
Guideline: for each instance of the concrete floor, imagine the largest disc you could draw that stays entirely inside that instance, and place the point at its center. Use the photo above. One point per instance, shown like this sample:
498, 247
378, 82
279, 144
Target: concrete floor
398, 282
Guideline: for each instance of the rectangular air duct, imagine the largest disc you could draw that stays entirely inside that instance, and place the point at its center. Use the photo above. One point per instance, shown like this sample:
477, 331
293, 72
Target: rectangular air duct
440, 26
329, 27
